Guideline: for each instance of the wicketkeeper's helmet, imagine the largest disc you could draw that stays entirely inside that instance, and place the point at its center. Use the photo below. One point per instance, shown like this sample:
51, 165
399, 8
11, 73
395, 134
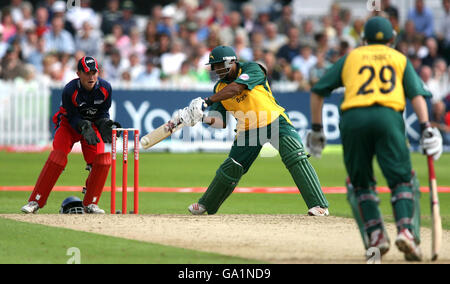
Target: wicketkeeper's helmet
378, 29
222, 54
72, 205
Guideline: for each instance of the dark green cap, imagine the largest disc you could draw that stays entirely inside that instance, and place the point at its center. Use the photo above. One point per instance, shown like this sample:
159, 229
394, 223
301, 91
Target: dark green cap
378, 29
221, 54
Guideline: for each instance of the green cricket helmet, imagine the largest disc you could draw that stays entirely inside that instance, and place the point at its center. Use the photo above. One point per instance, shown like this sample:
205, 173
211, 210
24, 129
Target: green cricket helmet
378, 29
222, 54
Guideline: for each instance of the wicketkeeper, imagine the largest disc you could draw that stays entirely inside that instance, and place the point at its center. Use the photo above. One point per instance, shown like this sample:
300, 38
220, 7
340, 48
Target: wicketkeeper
377, 81
83, 117
243, 91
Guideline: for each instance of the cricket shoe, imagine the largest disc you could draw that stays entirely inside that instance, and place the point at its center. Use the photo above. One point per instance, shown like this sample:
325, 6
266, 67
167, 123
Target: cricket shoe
30, 207
318, 211
93, 209
405, 243
379, 240
197, 209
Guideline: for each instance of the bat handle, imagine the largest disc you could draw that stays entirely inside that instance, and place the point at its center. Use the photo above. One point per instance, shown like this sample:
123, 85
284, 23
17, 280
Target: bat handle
431, 171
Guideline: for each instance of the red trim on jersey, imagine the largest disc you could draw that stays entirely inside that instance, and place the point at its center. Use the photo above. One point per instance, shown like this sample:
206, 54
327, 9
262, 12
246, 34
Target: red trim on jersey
105, 92
74, 98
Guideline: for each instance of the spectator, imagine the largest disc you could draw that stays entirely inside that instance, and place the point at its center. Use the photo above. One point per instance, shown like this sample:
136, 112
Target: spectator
58, 39
335, 12
357, 30
29, 43
219, 17
37, 54
135, 45
121, 40
156, 14
78, 15
262, 19
151, 76
11, 65
88, 41
59, 10
114, 66
151, 35
307, 33
248, 17
444, 32
304, 61
391, 10
432, 46
228, 34
185, 77
167, 24
321, 40
9, 29
135, 68
273, 40
200, 58
285, 22
258, 54
51, 67
241, 48
171, 61
318, 70
292, 48
42, 17
408, 33
16, 11
327, 27
302, 84
3, 45
164, 41
257, 39
442, 79
27, 20
272, 68
416, 62
346, 18
110, 16
438, 106
418, 47
422, 18
127, 21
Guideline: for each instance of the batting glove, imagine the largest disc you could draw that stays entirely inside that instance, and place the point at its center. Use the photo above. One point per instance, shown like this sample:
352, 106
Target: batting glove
182, 116
316, 140
431, 141
196, 110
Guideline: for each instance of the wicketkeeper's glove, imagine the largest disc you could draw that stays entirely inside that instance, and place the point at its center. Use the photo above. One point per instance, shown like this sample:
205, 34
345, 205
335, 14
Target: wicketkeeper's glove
88, 132
316, 140
105, 127
431, 141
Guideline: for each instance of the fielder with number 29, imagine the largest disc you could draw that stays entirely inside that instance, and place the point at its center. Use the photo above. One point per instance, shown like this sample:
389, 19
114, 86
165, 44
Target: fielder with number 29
243, 91
84, 117
377, 81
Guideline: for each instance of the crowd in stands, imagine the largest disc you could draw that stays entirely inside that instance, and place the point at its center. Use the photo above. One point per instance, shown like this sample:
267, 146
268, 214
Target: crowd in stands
169, 45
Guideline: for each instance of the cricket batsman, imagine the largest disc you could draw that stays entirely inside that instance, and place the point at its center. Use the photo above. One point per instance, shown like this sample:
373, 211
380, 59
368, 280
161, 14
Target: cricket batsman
243, 91
83, 117
377, 81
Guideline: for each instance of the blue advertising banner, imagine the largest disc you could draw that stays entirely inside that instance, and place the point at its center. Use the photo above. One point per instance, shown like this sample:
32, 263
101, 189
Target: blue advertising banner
148, 109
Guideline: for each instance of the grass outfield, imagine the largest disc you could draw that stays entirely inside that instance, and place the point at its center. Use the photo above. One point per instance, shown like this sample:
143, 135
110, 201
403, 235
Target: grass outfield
195, 170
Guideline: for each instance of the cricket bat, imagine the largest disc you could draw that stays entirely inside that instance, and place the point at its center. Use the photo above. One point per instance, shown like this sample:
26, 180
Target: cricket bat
159, 134
436, 231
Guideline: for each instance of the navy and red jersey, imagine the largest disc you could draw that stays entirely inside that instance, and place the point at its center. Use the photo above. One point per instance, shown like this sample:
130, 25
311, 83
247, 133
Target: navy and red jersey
80, 104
